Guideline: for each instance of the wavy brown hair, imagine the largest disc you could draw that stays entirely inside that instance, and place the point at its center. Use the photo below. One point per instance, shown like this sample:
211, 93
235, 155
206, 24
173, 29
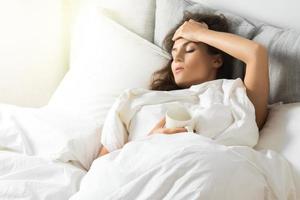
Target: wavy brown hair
163, 79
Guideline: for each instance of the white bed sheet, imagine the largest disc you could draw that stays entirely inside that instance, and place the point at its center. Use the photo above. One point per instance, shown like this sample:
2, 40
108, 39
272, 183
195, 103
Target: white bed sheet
36, 178
281, 133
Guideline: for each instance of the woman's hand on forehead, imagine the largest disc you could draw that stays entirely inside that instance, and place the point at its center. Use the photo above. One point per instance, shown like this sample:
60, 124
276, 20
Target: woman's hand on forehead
189, 30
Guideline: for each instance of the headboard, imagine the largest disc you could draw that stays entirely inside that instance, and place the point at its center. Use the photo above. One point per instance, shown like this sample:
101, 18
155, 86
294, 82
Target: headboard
282, 13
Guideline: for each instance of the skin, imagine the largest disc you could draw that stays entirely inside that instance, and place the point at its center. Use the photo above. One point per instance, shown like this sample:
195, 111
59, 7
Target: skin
193, 65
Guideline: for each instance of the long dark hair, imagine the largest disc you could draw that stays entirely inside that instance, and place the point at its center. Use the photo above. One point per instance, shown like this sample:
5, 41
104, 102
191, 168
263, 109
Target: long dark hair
163, 79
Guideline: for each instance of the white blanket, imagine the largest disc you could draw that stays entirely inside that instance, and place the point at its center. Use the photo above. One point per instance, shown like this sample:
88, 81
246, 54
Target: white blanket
49, 133
187, 166
44, 153
35, 178
217, 162
221, 108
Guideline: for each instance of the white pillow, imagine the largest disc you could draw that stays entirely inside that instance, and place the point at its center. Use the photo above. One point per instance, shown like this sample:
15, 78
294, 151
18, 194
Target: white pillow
49, 133
106, 58
281, 133
136, 15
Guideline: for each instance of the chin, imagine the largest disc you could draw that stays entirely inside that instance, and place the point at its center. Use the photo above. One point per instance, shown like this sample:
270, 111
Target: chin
182, 84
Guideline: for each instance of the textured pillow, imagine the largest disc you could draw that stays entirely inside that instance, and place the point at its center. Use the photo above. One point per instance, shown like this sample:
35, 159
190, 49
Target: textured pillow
284, 62
106, 58
170, 12
136, 15
281, 133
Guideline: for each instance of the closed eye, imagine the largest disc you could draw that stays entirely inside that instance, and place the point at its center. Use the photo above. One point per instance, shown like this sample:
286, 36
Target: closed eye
189, 51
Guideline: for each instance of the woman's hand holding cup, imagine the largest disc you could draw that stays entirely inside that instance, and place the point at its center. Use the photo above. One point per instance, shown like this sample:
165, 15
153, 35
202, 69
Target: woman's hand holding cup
160, 128
179, 116
177, 120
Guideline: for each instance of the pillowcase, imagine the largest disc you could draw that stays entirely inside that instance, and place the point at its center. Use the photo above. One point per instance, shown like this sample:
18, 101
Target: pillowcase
106, 59
170, 12
281, 133
284, 62
49, 133
136, 15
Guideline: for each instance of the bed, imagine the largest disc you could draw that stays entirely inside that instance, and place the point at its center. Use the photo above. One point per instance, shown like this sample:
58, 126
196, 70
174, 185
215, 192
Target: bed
49, 152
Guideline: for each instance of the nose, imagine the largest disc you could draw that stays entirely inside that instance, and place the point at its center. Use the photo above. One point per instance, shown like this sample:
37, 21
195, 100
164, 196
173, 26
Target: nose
178, 57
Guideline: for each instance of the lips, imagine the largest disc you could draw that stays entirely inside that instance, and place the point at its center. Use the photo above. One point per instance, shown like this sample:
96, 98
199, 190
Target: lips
178, 69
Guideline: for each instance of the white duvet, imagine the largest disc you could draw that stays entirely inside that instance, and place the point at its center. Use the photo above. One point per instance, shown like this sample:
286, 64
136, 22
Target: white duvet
44, 153
24, 177
187, 166
217, 162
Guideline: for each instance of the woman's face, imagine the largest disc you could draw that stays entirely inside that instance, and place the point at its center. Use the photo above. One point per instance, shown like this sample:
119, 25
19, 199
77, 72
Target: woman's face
192, 64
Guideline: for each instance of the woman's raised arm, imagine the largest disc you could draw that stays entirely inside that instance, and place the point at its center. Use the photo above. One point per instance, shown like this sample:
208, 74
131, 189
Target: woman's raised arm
253, 54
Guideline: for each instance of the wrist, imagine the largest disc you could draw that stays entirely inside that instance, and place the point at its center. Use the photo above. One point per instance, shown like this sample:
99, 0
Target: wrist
201, 34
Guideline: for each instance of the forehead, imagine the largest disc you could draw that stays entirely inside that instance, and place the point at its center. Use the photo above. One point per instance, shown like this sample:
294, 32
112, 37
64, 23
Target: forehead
181, 41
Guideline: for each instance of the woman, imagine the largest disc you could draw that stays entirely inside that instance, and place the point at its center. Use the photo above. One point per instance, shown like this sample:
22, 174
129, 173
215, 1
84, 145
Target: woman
200, 47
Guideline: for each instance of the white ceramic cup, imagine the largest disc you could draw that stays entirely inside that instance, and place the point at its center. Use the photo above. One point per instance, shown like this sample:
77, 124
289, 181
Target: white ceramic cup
177, 116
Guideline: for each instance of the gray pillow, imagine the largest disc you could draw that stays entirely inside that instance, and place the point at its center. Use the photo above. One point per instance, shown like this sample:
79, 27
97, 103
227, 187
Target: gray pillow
170, 12
284, 62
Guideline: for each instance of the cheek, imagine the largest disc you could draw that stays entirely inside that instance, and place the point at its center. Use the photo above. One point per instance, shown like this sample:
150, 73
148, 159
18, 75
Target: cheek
197, 63
172, 66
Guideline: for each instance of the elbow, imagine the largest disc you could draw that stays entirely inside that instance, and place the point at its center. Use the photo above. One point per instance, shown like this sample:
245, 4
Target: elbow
261, 120
260, 51
257, 54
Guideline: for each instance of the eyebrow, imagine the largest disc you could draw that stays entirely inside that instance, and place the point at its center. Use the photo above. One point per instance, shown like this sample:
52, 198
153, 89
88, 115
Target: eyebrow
184, 44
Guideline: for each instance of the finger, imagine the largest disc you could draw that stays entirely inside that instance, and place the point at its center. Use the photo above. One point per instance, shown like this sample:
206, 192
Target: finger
158, 126
161, 123
179, 130
177, 33
175, 36
204, 24
173, 130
